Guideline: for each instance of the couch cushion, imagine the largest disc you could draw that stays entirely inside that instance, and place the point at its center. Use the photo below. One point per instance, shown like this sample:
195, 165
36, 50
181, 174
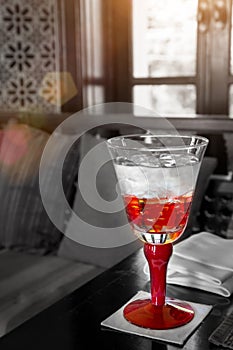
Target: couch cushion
31, 283
101, 257
208, 167
106, 184
25, 225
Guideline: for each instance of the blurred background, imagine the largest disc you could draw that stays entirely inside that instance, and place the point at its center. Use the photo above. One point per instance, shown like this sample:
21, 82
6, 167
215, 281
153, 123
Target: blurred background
174, 57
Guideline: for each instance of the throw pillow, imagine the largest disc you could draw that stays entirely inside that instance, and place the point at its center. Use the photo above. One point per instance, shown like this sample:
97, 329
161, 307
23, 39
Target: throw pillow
25, 225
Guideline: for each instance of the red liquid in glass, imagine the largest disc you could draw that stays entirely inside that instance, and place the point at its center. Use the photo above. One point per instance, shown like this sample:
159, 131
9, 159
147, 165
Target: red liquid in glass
158, 215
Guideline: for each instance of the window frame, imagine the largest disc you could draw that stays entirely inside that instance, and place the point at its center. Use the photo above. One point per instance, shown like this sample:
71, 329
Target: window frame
212, 77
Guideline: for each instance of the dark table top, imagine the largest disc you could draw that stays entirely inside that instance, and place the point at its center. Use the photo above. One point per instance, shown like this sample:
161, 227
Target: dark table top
73, 323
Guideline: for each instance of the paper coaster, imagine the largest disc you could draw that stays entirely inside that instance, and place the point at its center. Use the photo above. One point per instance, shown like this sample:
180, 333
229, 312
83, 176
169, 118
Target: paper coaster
176, 335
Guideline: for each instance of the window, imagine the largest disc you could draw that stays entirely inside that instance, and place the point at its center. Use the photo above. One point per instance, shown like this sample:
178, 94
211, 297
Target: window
164, 47
178, 57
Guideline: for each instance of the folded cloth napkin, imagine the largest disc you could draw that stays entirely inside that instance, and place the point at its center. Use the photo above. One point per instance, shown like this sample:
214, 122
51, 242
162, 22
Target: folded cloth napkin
203, 261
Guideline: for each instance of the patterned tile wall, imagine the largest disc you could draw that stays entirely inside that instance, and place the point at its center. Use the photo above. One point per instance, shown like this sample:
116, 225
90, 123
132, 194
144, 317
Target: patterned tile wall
28, 52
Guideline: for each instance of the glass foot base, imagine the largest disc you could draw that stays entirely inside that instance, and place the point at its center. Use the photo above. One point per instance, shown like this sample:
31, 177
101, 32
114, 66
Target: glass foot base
144, 314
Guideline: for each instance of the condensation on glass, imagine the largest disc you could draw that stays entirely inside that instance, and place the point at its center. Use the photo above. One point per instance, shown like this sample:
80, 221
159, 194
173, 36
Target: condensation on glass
166, 99
164, 38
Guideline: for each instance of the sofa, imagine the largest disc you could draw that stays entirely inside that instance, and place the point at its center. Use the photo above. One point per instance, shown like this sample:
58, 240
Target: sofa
38, 263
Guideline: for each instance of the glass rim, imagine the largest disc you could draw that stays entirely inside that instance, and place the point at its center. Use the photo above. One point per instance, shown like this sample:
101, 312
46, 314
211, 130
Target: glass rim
204, 142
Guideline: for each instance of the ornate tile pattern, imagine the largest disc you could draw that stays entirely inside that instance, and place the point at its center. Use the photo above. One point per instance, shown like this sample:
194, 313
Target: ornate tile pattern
28, 52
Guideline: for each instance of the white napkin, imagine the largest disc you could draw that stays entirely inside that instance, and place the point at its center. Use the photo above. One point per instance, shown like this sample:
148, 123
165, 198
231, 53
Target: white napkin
203, 261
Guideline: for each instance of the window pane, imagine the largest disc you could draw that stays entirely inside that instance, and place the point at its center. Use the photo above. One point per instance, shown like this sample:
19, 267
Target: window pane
95, 94
231, 63
231, 101
94, 42
164, 37
166, 99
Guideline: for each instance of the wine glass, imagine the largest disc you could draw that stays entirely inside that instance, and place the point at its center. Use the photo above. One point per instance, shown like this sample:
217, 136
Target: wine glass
157, 176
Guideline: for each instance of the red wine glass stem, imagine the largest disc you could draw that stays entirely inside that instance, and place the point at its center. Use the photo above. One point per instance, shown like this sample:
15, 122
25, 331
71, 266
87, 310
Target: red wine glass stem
158, 257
